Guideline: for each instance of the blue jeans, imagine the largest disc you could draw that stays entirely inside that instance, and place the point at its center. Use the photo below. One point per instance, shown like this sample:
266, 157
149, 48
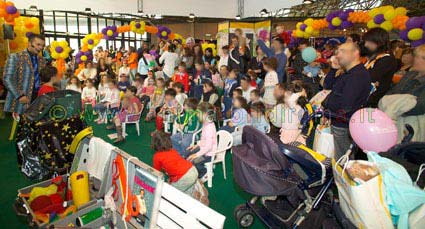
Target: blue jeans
181, 142
229, 129
342, 140
227, 105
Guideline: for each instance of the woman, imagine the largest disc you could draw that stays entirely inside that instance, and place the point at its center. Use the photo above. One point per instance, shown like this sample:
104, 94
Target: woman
89, 72
102, 69
197, 53
256, 63
188, 58
169, 58
405, 103
143, 66
406, 64
181, 172
208, 57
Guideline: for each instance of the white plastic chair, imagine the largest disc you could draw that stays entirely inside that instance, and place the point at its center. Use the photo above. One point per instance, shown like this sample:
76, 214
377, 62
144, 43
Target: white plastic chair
127, 117
224, 143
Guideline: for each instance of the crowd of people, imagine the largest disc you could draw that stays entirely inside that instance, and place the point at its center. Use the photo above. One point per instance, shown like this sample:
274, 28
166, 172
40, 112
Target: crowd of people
186, 89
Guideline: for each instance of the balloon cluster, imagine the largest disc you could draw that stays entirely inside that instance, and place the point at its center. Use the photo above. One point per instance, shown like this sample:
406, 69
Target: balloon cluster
8, 11
339, 19
110, 32
82, 57
178, 37
209, 45
358, 17
383, 17
23, 28
320, 24
399, 22
305, 29
163, 32
414, 31
138, 27
59, 49
91, 40
123, 29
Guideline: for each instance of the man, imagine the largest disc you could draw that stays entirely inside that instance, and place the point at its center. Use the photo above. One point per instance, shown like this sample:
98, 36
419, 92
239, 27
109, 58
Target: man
277, 51
350, 91
238, 57
298, 63
22, 75
381, 65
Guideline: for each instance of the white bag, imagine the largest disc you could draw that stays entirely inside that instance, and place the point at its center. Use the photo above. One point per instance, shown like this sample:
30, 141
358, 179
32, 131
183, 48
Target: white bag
363, 204
324, 141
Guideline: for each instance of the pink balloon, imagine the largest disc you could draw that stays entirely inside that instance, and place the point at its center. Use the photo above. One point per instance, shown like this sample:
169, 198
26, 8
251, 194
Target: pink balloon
372, 130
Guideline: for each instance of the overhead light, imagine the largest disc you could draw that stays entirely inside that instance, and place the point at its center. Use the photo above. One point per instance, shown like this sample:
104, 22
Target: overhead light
33, 8
158, 16
307, 2
140, 12
263, 12
191, 16
238, 17
88, 10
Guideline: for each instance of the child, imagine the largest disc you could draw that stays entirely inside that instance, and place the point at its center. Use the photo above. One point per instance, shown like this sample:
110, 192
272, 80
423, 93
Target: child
230, 84
48, 77
216, 78
124, 69
270, 82
180, 96
246, 88
240, 116
210, 94
202, 152
130, 105
157, 99
224, 73
224, 58
74, 84
171, 107
151, 76
169, 84
111, 100
199, 77
255, 81
186, 124
89, 93
254, 97
103, 86
236, 93
123, 84
182, 77
65, 80
293, 113
258, 118
138, 83
183, 175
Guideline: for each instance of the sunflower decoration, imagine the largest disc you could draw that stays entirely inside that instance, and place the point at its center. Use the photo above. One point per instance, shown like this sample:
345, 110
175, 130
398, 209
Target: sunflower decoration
209, 45
179, 38
18, 44
32, 24
138, 27
163, 32
8, 11
110, 32
82, 57
91, 40
60, 49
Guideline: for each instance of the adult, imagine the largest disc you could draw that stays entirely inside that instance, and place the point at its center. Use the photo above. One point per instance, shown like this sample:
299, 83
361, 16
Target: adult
197, 53
354, 38
406, 59
246, 88
22, 75
298, 62
102, 69
88, 72
170, 60
132, 63
188, 58
143, 65
144, 46
405, 102
239, 57
278, 51
256, 63
208, 57
381, 64
350, 91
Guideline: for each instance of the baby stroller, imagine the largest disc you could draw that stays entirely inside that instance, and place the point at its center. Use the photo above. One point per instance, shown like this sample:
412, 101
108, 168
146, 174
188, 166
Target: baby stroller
292, 182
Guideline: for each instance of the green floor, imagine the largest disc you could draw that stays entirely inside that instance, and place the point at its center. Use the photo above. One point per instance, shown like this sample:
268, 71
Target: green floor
224, 195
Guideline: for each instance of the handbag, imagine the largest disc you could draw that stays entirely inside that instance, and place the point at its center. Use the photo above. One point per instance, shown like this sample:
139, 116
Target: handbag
362, 203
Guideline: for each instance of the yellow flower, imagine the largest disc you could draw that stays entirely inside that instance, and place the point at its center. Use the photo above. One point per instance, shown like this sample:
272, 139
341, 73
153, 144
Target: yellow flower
59, 49
91, 40
137, 27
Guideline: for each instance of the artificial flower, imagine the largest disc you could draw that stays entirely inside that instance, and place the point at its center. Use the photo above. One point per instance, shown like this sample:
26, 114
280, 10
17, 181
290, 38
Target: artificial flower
137, 27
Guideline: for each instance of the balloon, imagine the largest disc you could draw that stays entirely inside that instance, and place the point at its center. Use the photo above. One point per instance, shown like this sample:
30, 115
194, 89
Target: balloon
400, 11
309, 30
371, 24
415, 34
84, 58
417, 43
373, 12
379, 19
303, 27
309, 54
308, 21
389, 15
403, 35
336, 21
372, 130
346, 24
387, 25
299, 25
414, 22
316, 33
299, 33
344, 15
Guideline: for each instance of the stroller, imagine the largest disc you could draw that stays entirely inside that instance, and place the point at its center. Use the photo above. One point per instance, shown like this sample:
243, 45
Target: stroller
292, 181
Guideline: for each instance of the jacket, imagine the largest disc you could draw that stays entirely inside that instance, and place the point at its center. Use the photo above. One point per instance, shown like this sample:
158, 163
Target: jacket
19, 79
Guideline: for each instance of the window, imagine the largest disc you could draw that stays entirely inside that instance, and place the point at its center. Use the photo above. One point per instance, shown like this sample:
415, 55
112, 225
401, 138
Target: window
83, 24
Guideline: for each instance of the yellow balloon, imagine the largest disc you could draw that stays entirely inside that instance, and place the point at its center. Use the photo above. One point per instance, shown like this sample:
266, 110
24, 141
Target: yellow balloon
83, 58
164, 33
387, 25
316, 33
309, 21
400, 11
299, 33
389, 14
309, 30
306, 35
110, 33
373, 12
336, 21
415, 34
386, 8
299, 25
371, 24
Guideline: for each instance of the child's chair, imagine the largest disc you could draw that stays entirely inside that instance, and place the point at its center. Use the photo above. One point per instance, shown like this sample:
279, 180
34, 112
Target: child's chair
132, 119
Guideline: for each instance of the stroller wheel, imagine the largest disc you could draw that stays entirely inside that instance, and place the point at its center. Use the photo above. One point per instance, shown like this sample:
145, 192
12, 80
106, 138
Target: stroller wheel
244, 216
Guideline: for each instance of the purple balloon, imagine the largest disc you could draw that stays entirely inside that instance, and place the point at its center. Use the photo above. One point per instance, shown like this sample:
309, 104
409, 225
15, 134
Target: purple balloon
11, 9
28, 34
379, 19
303, 27
138, 25
59, 49
344, 15
417, 43
346, 24
331, 27
414, 22
104, 30
403, 35
329, 17
90, 41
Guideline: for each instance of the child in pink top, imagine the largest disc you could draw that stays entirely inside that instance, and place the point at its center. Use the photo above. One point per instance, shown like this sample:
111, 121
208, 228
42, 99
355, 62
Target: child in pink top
203, 151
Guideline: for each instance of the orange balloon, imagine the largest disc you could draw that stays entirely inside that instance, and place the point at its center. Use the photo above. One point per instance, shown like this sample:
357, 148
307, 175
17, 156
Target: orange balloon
172, 36
151, 29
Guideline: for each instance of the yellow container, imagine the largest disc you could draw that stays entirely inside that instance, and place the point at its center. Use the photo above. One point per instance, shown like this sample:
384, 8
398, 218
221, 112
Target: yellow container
80, 188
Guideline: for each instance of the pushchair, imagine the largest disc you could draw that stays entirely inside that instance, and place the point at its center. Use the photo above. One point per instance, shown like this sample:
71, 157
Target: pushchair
292, 182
